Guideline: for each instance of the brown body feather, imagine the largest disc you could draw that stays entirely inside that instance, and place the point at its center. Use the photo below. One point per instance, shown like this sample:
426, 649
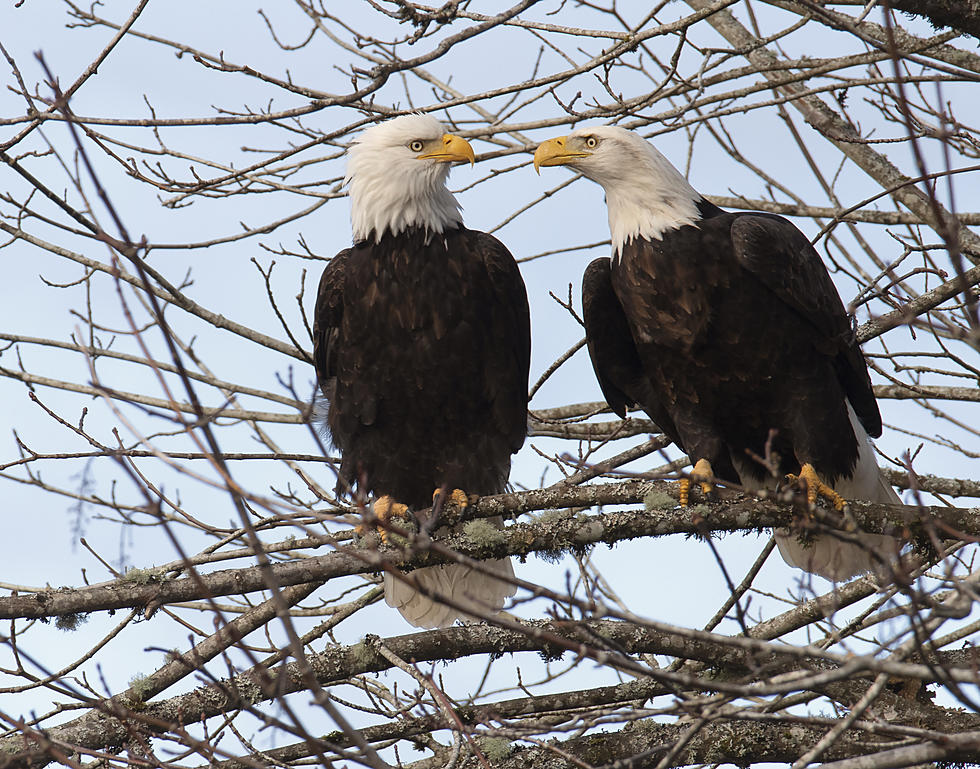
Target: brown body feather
730, 334
422, 350
737, 331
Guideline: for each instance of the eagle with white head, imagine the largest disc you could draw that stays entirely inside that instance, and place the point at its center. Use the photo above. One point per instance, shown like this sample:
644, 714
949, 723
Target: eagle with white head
422, 348
728, 331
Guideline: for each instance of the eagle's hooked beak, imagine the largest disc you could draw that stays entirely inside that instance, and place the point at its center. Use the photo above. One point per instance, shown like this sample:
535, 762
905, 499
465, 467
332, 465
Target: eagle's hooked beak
450, 149
556, 152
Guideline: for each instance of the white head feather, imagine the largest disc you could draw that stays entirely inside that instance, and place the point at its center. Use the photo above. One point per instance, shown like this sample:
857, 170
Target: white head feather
646, 196
392, 189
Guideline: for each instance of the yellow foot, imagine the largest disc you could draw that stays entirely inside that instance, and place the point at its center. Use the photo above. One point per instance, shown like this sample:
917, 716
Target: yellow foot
385, 508
703, 474
456, 498
815, 487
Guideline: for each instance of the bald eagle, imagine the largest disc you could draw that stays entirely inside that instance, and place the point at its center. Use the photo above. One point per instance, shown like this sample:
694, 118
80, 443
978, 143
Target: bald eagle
422, 348
727, 330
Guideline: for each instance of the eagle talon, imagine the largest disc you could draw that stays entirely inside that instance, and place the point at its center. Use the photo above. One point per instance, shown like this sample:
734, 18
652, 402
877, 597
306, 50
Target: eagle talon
455, 498
384, 509
703, 475
815, 487
449, 505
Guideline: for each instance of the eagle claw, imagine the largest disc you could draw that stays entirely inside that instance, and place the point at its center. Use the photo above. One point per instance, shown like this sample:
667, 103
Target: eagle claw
384, 509
455, 498
809, 480
703, 475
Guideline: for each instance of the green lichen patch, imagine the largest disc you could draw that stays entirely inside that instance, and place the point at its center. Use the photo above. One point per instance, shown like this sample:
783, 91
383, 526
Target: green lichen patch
495, 748
140, 576
659, 500
140, 687
483, 533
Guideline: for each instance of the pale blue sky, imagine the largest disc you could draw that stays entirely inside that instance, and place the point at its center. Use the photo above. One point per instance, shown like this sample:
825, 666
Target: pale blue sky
40, 543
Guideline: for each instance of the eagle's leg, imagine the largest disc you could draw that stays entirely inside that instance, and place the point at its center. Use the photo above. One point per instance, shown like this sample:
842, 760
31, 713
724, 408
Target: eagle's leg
385, 508
815, 487
702, 474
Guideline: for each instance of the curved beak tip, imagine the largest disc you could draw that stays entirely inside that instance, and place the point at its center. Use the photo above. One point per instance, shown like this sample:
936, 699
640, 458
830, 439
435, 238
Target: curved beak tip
461, 148
454, 149
551, 153
539, 155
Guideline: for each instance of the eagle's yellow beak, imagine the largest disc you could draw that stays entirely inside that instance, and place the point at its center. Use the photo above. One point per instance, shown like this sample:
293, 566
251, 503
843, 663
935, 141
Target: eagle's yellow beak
556, 152
449, 149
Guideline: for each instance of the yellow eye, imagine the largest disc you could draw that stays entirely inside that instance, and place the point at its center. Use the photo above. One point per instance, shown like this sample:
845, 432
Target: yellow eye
415, 146
591, 142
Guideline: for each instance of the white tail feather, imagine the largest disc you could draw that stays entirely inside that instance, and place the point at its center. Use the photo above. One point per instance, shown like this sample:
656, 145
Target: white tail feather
835, 560
482, 593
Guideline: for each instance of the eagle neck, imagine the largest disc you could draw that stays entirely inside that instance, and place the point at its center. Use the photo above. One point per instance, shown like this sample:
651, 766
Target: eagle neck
649, 203
411, 238
381, 204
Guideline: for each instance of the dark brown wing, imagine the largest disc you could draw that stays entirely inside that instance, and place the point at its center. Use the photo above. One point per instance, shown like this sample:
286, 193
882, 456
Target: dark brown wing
614, 357
781, 256
508, 356
327, 315
615, 360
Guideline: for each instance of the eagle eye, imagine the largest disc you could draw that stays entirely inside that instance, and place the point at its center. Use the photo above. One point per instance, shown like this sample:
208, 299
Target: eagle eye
591, 142
416, 146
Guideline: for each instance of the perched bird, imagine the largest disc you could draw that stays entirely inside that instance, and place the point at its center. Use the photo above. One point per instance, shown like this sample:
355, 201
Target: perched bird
422, 348
727, 330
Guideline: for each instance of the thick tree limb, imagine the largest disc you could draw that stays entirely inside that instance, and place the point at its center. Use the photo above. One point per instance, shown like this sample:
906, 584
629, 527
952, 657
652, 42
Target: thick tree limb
113, 721
554, 533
